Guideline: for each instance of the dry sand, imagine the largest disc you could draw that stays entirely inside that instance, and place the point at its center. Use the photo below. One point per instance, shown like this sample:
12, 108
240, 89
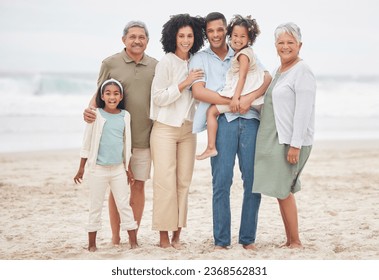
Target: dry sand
43, 212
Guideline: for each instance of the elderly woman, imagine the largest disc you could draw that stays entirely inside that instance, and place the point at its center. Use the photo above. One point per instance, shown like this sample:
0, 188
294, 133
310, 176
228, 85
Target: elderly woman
173, 145
285, 135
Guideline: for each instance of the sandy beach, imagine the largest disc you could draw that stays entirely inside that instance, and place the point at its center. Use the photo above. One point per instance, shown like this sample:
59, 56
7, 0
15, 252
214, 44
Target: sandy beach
43, 212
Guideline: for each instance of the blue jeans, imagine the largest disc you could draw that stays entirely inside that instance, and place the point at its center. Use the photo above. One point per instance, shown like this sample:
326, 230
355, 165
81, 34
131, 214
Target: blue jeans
234, 138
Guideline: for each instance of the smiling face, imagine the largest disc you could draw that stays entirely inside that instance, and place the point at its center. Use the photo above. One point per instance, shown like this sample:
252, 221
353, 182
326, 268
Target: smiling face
184, 41
112, 97
216, 34
239, 38
135, 41
288, 48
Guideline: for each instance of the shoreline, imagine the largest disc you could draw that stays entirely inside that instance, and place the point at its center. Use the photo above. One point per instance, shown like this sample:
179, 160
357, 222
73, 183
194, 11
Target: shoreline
44, 212
367, 143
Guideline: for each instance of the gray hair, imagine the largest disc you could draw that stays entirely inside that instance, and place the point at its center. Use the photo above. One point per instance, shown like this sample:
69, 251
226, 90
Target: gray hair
290, 28
135, 23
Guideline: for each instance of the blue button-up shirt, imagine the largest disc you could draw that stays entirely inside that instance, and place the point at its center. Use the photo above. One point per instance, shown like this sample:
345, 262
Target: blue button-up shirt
215, 71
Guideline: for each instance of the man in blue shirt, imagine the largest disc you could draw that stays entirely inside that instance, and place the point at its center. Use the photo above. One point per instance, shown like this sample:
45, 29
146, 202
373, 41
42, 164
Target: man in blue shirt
236, 135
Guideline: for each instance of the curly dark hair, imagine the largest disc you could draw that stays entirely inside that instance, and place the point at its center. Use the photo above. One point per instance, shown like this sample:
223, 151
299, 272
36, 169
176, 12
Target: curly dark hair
251, 25
171, 28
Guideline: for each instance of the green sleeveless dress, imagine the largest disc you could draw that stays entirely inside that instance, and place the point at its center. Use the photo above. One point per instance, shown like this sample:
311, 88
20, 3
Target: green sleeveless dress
273, 174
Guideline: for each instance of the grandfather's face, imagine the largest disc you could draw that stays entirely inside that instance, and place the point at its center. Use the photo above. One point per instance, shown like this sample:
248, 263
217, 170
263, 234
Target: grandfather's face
135, 41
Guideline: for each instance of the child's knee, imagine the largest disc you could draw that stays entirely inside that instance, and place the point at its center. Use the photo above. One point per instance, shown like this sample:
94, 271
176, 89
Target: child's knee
212, 111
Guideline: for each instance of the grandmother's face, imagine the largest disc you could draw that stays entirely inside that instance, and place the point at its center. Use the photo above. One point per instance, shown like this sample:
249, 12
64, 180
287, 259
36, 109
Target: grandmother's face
287, 47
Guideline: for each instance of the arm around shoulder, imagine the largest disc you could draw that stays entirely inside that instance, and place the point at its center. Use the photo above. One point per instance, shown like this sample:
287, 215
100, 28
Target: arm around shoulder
89, 114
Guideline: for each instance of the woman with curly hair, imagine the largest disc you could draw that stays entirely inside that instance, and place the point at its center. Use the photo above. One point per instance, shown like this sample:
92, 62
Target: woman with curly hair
173, 145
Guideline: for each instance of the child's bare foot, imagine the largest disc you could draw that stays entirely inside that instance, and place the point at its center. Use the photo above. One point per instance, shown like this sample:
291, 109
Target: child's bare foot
116, 240
133, 239
207, 153
164, 241
92, 241
92, 248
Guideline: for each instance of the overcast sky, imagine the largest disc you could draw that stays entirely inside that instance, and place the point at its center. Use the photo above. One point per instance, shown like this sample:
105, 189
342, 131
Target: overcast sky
339, 37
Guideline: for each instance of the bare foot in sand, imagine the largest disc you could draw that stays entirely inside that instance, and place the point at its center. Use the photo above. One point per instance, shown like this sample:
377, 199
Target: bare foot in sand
250, 247
92, 241
134, 246
116, 241
207, 153
217, 247
165, 245
92, 248
176, 244
164, 241
296, 246
284, 245
133, 239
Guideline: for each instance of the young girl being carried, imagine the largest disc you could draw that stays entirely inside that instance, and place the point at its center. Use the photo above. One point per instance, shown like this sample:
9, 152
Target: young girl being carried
243, 77
107, 149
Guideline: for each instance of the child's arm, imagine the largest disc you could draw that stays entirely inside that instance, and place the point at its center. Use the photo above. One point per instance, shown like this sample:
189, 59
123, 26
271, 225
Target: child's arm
79, 175
244, 68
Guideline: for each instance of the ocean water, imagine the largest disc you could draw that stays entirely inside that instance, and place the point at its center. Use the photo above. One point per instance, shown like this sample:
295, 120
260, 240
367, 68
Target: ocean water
42, 111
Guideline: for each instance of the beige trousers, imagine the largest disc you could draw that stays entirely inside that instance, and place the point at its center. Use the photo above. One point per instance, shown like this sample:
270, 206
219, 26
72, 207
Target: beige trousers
114, 177
173, 153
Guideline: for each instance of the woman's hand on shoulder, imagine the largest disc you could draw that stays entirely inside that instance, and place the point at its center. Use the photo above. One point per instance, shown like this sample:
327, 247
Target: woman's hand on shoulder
194, 74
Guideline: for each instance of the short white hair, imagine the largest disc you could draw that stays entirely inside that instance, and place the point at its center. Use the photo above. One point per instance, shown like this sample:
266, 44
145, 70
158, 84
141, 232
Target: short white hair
135, 23
290, 28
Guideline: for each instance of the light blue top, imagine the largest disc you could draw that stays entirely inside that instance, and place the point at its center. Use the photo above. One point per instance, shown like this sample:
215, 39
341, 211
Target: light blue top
215, 71
112, 139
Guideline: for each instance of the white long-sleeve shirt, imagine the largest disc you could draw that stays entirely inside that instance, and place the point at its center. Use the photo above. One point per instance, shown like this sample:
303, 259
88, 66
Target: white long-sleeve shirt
293, 98
92, 135
168, 104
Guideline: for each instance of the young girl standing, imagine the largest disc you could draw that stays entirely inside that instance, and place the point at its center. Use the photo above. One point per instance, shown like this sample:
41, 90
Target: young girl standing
243, 77
106, 150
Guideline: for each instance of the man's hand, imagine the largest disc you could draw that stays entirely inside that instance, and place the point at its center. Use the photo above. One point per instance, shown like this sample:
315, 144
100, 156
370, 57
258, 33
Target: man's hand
89, 114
